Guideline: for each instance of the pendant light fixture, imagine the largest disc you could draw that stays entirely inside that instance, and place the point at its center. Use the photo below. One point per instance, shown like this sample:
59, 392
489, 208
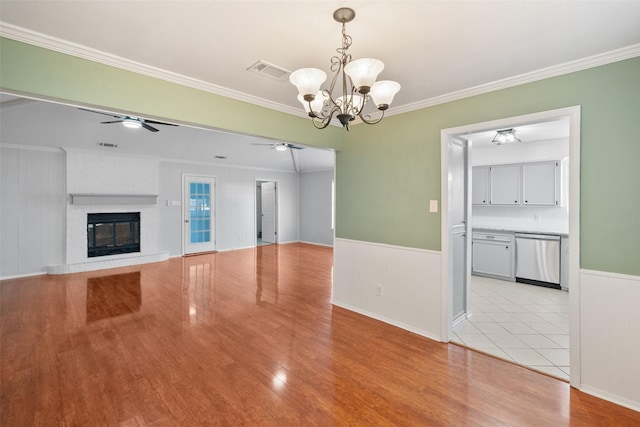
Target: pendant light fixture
358, 81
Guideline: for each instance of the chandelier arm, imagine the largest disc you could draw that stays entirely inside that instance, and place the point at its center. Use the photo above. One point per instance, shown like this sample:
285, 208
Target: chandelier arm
370, 122
321, 122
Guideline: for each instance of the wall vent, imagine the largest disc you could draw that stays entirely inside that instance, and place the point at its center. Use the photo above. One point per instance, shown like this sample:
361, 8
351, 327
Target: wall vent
107, 145
269, 70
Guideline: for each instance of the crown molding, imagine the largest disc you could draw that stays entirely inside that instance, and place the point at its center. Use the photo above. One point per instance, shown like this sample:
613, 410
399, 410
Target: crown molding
52, 43
533, 76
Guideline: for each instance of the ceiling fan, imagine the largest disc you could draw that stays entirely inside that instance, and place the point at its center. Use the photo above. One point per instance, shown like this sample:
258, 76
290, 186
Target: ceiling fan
279, 146
131, 121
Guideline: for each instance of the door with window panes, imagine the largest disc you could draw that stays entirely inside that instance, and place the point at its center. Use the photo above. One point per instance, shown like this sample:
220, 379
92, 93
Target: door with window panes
199, 214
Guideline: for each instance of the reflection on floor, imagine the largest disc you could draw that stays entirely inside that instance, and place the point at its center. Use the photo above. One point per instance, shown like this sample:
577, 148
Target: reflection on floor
525, 324
260, 242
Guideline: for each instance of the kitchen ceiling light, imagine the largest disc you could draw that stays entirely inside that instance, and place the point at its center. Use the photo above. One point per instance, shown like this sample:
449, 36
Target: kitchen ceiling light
358, 78
281, 147
505, 136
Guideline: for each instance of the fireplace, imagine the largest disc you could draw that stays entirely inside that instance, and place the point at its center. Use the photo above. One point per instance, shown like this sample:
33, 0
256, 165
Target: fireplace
113, 233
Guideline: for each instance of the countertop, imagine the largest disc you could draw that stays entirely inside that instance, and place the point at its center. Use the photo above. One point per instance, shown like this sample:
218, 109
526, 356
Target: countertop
520, 230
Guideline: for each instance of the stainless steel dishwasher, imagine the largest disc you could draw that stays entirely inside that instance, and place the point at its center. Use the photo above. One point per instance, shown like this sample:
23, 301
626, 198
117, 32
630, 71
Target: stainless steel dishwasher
538, 259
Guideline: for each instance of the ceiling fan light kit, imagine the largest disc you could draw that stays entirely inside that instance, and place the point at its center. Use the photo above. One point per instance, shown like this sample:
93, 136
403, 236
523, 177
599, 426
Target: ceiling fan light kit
130, 123
359, 85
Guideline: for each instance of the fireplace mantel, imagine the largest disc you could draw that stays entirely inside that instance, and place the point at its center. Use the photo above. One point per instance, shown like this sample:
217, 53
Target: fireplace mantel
114, 199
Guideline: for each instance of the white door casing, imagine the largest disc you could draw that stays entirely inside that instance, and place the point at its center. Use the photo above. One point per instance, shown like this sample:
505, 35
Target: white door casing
458, 221
573, 113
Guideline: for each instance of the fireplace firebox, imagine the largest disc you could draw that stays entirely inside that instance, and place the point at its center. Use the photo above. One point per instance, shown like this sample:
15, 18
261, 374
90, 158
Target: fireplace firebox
113, 233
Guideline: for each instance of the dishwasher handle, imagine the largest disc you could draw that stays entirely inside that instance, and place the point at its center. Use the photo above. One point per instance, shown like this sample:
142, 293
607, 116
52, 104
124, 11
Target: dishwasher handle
537, 236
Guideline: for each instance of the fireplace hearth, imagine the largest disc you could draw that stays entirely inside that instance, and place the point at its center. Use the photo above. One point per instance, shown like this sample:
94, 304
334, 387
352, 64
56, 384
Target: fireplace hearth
113, 233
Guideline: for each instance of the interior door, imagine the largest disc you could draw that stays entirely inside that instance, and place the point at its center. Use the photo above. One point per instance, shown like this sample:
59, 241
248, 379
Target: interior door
458, 195
198, 214
269, 212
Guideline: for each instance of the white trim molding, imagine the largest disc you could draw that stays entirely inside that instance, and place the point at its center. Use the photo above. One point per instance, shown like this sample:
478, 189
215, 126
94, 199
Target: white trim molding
59, 45
79, 51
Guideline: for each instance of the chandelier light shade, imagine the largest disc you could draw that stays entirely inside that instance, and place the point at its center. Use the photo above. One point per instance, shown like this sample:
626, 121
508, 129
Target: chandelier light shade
504, 136
382, 93
356, 85
308, 80
363, 73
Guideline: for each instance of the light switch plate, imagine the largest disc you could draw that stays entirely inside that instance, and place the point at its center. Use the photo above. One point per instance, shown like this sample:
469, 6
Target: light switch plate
433, 206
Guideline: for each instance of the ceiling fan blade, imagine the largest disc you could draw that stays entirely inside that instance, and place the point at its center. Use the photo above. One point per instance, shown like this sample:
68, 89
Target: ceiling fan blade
147, 127
295, 147
159, 123
112, 121
100, 112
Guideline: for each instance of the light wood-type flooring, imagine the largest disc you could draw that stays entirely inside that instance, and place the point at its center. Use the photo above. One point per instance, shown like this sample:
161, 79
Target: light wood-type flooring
249, 337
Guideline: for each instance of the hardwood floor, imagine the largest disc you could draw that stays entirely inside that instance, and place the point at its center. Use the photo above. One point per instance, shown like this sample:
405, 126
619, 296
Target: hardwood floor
248, 337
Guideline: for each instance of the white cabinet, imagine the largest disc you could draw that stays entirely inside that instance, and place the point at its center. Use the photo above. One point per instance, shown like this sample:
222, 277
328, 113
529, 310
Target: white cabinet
519, 184
493, 255
540, 183
480, 185
505, 184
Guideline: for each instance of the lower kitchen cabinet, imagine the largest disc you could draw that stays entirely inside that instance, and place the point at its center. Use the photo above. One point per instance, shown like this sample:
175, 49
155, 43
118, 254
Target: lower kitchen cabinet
493, 255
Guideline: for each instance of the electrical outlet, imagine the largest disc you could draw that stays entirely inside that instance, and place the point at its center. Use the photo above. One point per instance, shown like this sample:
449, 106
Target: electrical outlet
379, 290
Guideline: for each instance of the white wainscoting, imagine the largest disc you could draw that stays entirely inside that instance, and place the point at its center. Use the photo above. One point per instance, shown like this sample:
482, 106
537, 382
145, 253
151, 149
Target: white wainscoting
610, 340
410, 280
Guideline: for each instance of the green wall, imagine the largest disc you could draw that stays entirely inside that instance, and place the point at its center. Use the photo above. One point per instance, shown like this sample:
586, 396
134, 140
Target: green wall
386, 174
36, 71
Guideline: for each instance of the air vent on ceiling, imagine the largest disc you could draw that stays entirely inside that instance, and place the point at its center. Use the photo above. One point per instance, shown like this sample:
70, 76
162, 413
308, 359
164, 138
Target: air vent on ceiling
269, 70
107, 144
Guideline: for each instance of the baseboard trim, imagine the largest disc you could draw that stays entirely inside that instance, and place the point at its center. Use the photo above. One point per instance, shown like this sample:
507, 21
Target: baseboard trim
22, 276
315, 243
388, 321
618, 400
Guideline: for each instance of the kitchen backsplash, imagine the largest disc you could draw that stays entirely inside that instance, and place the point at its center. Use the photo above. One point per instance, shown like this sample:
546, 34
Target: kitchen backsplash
522, 218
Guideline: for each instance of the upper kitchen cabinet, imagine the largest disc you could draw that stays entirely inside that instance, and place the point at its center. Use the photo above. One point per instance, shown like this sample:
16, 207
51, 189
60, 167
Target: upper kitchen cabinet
505, 184
480, 185
540, 183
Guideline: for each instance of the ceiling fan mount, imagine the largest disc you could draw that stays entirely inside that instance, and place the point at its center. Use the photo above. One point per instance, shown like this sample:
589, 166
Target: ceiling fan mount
131, 122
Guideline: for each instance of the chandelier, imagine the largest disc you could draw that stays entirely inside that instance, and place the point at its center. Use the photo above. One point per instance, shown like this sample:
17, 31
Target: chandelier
359, 85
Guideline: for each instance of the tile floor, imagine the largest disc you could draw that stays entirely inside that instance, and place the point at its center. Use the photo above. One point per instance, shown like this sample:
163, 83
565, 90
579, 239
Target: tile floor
525, 324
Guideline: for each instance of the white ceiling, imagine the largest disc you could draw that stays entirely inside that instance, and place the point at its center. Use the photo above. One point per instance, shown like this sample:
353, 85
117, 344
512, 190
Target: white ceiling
433, 48
45, 124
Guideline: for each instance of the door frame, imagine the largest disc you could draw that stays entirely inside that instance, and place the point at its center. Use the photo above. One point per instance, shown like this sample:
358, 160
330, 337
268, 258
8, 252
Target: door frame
255, 208
183, 217
466, 144
574, 219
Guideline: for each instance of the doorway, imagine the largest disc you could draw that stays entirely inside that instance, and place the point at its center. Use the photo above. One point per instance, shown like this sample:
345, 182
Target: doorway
266, 212
572, 115
198, 214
